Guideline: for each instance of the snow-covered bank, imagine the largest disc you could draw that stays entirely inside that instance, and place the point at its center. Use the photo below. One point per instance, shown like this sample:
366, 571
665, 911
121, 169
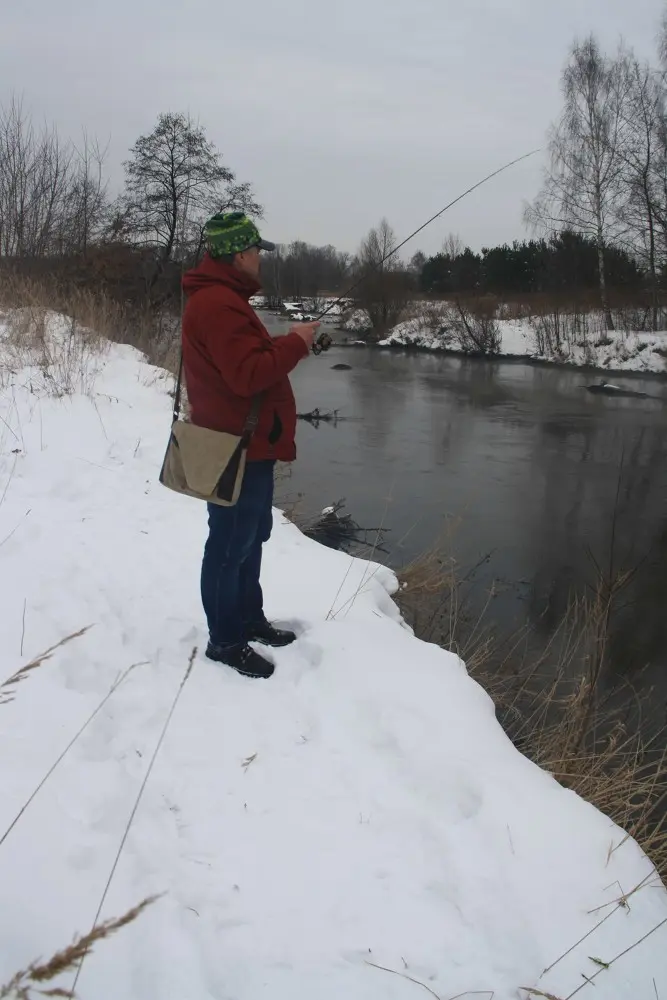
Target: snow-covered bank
362, 809
619, 350
517, 337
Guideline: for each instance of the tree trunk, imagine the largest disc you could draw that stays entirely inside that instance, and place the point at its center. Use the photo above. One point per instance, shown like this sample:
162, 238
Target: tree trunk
651, 256
604, 298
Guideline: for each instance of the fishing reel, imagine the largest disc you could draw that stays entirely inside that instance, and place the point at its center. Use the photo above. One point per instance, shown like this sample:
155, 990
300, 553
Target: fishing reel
322, 343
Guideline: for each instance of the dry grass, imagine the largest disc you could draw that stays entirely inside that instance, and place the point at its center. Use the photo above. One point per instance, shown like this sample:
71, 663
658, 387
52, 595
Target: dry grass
434, 595
67, 357
603, 741
8, 686
34, 980
289, 501
94, 319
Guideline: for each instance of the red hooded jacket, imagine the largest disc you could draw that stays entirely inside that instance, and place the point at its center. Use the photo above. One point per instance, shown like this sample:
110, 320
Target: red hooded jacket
228, 357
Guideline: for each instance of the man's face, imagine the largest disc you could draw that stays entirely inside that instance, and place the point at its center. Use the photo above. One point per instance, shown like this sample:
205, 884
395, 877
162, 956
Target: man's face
248, 262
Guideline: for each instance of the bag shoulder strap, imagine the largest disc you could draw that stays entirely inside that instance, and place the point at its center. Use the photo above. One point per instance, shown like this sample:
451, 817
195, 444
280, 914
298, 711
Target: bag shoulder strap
250, 425
179, 389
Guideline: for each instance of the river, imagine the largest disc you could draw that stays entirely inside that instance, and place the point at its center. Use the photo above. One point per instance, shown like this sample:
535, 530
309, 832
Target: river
505, 460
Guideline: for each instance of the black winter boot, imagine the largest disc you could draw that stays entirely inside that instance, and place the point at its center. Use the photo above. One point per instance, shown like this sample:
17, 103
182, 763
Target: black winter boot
265, 633
242, 658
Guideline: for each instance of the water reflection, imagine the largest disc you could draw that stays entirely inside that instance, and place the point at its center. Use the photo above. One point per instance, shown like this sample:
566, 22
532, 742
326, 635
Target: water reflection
521, 460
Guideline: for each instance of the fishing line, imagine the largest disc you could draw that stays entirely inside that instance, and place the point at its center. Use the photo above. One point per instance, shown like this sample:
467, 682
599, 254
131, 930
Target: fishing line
324, 338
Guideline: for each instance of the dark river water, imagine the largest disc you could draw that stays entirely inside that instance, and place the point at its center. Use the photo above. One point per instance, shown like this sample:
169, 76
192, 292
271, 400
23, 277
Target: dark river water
511, 461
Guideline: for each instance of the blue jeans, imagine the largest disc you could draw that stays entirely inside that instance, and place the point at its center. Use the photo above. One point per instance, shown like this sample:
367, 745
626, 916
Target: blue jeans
230, 588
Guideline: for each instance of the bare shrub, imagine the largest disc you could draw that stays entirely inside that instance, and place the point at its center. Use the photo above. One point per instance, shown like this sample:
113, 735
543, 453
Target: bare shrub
560, 326
434, 318
475, 327
548, 331
640, 316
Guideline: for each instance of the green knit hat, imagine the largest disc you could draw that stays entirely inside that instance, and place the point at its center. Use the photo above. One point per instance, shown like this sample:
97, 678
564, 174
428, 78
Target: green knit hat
231, 233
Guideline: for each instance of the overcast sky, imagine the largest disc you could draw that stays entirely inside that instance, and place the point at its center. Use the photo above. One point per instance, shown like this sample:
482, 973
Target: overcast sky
339, 112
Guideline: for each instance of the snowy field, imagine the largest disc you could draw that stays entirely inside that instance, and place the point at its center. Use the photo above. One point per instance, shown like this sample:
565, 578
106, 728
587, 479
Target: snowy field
356, 828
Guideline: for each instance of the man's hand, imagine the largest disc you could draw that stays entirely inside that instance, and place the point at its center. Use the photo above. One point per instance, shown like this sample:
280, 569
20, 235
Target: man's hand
306, 331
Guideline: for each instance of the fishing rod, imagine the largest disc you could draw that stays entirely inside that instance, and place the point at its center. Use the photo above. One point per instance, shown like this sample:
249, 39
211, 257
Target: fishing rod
324, 341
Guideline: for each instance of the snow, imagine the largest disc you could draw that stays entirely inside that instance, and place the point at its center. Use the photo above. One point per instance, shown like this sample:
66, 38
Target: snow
625, 351
628, 351
517, 337
361, 809
300, 312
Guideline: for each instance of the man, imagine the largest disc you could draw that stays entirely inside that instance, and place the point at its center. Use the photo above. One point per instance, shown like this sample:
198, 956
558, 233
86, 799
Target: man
229, 358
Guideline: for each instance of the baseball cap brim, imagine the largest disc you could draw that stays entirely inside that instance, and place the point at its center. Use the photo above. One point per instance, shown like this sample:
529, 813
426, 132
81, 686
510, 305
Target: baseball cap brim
265, 245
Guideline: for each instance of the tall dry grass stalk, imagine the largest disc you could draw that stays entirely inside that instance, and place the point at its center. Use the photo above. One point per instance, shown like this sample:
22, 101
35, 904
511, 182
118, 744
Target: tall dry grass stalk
112, 690
9, 686
33, 981
435, 597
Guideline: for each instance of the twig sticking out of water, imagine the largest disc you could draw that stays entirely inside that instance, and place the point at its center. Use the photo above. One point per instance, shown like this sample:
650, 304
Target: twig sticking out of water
317, 416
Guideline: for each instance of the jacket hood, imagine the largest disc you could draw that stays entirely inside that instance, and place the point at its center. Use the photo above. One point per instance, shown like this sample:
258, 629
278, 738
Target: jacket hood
218, 272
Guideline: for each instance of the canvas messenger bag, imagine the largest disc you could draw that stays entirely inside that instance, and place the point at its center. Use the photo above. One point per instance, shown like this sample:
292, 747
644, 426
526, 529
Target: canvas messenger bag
205, 464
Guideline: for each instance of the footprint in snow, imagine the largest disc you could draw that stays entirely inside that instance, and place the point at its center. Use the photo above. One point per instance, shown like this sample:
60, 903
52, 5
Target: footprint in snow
292, 625
299, 660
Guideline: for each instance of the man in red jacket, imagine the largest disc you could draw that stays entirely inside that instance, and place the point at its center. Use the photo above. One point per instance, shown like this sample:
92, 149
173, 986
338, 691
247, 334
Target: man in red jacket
228, 359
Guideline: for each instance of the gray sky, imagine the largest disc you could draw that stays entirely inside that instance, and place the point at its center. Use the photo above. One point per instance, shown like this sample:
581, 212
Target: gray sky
339, 112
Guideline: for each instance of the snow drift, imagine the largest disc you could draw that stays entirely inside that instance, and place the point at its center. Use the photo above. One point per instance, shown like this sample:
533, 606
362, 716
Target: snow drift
358, 827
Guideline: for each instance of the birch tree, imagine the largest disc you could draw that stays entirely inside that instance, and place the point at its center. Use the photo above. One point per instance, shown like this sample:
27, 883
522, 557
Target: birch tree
644, 158
582, 184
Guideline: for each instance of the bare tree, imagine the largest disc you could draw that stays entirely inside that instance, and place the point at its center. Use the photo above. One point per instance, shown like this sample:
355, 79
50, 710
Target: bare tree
52, 194
384, 291
644, 156
88, 202
453, 246
300, 271
417, 262
582, 185
662, 40
175, 178
34, 176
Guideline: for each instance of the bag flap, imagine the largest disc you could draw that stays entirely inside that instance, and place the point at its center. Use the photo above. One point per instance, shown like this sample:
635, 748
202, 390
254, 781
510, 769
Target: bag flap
205, 454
